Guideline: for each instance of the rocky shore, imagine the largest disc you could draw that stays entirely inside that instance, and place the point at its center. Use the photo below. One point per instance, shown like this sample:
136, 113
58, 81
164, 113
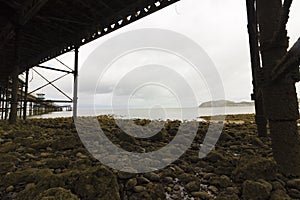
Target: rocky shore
45, 159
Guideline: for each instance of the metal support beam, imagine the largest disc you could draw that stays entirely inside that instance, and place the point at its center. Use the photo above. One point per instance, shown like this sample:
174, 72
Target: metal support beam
14, 96
25, 95
75, 91
21, 98
2, 96
15, 81
54, 69
52, 85
49, 83
288, 65
6, 101
260, 118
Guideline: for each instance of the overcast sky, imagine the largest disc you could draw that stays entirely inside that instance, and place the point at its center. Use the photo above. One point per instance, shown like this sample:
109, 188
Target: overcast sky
218, 26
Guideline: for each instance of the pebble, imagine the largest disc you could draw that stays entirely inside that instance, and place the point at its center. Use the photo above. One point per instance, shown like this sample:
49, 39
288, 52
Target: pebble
202, 195
233, 190
29, 186
45, 155
168, 179
49, 149
142, 180
213, 189
295, 183
10, 189
169, 189
139, 188
192, 186
57, 171
125, 175
80, 155
131, 183
221, 181
177, 187
28, 155
294, 193
152, 176
208, 175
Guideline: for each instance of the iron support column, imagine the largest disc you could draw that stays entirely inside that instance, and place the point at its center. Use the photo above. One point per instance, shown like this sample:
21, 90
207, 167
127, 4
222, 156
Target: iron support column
260, 118
15, 80
75, 91
6, 101
25, 95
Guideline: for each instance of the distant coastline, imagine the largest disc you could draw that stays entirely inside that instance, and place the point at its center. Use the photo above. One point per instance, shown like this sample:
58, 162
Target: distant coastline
223, 103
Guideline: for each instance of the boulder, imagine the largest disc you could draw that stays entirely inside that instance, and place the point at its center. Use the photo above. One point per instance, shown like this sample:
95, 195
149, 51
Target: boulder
256, 190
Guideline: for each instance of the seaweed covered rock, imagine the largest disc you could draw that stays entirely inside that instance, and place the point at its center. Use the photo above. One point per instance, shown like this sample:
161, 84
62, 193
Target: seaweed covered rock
30, 175
93, 183
295, 183
279, 195
220, 181
214, 157
193, 186
66, 142
254, 168
56, 194
227, 196
256, 190
56, 163
148, 192
98, 183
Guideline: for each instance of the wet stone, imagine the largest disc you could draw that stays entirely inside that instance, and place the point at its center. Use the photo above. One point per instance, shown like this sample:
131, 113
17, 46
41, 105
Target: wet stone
202, 195
295, 183
256, 190
152, 176
255, 167
168, 179
294, 193
10, 188
279, 195
225, 195
131, 183
80, 155
125, 175
56, 193
222, 181
213, 189
142, 180
192, 186
138, 188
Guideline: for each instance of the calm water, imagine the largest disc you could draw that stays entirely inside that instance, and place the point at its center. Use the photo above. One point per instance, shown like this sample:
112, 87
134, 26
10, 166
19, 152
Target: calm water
169, 113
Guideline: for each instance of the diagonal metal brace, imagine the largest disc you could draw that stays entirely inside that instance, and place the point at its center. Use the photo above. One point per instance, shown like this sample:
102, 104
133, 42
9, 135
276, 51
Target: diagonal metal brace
53, 85
48, 83
63, 64
54, 69
289, 63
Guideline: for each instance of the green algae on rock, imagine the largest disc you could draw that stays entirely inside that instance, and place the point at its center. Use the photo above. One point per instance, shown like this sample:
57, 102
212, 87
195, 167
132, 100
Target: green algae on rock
56, 194
255, 167
256, 190
41, 155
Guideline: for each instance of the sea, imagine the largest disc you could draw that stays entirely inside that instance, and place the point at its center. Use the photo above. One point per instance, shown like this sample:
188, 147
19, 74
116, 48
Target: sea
155, 113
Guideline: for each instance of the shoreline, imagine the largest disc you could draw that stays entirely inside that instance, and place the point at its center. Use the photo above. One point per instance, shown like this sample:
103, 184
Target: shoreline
45, 158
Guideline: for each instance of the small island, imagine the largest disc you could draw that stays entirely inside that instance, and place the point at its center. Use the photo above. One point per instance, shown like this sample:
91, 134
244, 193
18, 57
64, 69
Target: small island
223, 103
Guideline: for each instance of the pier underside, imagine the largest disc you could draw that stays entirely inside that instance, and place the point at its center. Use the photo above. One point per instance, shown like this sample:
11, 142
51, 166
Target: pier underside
35, 31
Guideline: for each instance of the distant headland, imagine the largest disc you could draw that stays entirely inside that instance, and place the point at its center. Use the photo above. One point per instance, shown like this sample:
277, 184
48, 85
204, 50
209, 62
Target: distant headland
222, 103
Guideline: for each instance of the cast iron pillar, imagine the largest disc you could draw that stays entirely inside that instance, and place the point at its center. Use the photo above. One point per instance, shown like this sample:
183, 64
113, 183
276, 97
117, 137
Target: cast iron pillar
260, 118
15, 80
75, 91
25, 95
